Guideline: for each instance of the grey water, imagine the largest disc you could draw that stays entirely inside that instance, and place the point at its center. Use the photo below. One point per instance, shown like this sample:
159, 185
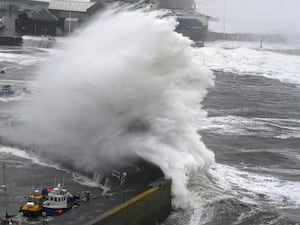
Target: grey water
254, 135
252, 126
259, 119
266, 142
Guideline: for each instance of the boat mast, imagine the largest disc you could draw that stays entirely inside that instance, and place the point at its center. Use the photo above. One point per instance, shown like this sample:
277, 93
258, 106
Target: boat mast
3, 186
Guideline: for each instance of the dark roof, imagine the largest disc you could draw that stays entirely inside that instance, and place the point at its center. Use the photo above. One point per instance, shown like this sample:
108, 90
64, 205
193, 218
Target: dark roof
44, 15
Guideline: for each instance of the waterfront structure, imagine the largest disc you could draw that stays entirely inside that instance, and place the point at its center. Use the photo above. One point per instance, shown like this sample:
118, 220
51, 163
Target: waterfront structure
38, 23
14, 6
73, 13
43, 23
191, 23
53, 18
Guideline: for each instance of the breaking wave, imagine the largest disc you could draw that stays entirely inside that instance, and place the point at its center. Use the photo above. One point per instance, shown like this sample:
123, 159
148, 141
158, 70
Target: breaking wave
248, 61
243, 126
128, 86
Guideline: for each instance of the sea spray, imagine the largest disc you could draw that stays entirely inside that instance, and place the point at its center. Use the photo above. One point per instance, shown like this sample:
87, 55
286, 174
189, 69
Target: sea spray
126, 86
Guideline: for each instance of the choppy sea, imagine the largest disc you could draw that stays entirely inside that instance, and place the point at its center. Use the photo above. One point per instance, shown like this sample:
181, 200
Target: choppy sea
252, 126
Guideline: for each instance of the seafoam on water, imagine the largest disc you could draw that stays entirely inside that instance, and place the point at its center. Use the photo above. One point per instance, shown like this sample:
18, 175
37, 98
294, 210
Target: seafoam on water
241, 60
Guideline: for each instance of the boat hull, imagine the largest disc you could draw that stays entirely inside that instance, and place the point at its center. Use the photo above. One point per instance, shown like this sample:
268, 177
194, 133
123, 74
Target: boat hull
28, 213
55, 212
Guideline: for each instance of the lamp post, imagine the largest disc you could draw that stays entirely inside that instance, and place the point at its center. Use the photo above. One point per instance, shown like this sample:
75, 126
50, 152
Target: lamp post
70, 20
122, 181
4, 187
122, 178
44, 216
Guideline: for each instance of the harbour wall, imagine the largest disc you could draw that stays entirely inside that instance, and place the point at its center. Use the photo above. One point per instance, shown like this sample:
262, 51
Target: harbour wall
10, 40
271, 38
151, 207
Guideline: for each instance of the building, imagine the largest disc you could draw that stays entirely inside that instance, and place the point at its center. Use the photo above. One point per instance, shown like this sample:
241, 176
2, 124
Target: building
38, 23
54, 18
43, 23
14, 6
72, 14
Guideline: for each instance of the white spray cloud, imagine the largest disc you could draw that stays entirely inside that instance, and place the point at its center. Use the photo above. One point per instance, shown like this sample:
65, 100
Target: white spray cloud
127, 86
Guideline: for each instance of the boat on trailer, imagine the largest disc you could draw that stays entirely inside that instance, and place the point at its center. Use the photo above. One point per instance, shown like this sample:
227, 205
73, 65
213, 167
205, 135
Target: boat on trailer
59, 201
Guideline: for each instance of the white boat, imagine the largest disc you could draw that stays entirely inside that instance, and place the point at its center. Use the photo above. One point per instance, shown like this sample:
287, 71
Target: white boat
59, 201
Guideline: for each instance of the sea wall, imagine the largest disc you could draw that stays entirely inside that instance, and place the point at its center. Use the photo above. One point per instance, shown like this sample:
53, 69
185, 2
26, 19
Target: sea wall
13, 41
148, 208
272, 38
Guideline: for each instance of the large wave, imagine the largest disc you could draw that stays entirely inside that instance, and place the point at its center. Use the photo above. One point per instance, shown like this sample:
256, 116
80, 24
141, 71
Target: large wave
127, 86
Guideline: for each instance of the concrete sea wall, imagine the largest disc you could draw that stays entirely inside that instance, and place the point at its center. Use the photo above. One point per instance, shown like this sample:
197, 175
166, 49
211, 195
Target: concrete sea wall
12, 41
148, 208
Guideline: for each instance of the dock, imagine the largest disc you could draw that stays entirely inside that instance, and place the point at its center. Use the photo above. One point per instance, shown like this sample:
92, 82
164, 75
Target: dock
134, 205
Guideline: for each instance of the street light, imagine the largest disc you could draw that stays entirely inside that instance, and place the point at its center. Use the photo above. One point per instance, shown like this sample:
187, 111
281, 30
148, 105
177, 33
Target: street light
123, 177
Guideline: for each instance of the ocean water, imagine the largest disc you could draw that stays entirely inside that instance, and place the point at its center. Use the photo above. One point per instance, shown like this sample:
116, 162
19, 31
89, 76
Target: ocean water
252, 126
222, 121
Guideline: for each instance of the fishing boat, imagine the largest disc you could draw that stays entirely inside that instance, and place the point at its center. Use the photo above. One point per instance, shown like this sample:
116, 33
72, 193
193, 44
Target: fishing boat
34, 205
59, 201
6, 90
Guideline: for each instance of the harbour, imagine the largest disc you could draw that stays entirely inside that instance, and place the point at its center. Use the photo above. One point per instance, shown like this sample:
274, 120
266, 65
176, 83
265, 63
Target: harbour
153, 130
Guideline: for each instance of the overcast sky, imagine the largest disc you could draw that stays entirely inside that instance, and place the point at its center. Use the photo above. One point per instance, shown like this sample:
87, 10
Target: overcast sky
253, 16
259, 16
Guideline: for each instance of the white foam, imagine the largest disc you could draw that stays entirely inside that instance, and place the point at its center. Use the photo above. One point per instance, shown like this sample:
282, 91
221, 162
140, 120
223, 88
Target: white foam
256, 187
14, 151
21, 59
11, 99
24, 155
243, 126
102, 83
247, 61
85, 180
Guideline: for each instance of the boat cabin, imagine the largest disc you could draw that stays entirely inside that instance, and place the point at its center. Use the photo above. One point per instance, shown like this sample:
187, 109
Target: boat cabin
57, 198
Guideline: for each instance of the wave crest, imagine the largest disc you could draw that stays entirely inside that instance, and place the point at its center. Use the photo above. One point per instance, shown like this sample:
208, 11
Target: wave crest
127, 86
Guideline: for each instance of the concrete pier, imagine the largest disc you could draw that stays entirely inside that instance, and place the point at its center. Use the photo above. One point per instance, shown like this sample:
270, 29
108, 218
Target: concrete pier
151, 207
130, 206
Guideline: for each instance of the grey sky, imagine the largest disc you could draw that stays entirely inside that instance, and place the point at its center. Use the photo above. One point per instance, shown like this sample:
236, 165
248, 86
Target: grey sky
259, 16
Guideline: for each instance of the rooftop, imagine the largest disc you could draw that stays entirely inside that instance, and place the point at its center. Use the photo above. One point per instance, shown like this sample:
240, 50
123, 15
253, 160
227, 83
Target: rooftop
44, 15
74, 6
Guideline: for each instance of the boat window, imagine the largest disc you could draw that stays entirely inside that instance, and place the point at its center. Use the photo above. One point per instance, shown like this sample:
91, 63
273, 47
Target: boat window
36, 201
55, 199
